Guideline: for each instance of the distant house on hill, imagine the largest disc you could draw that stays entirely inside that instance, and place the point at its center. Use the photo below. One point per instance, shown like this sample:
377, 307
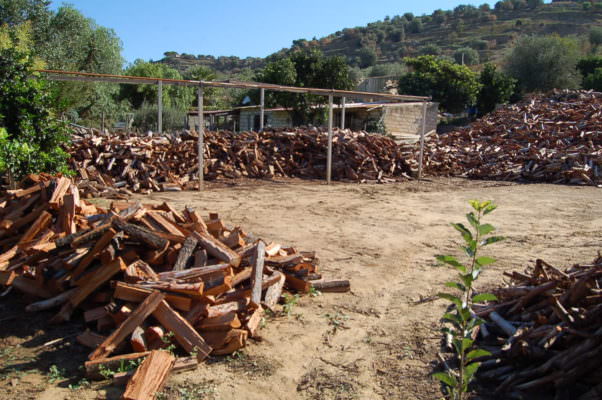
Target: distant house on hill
402, 120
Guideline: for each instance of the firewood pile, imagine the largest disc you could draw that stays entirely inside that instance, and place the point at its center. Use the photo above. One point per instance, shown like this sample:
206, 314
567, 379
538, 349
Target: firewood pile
555, 138
545, 333
144, 164
145, 277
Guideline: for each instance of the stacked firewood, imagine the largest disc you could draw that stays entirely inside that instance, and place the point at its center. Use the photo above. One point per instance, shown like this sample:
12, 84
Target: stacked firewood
170, 163
146, 277
545, 334
556, 138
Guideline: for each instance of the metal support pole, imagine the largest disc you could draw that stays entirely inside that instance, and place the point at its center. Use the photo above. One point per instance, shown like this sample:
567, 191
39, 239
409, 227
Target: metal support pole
329, 156
343, 113
200, 143
160, 106
262, 108
424, 107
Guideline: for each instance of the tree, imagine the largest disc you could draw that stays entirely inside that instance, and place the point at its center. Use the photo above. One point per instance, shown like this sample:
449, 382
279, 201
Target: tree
595, 38
589, 65
542, 63
467, 56
431, 50
31, 138
367, 57
496, 88
415, 26
308, 68
179, 97
454, 86
17, 12
593, 80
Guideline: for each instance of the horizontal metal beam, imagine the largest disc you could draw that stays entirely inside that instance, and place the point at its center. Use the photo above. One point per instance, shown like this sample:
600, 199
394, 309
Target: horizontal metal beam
137, 80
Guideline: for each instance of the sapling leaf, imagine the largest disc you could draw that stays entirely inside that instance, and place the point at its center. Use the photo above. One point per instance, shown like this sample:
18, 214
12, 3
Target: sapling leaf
446, 378
484, 204
482, 261
472, 219
485, 229
476, 354
483, 297
470, 370
475, 204
466, 344
490, 208
466, 234
455, 285
452, 298
451, 260
467, 279
490, 240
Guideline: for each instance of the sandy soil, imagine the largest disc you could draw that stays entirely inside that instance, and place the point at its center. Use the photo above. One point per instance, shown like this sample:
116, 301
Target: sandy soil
380, 340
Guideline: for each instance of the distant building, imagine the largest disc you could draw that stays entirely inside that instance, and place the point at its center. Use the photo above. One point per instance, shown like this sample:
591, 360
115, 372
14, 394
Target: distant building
402, 120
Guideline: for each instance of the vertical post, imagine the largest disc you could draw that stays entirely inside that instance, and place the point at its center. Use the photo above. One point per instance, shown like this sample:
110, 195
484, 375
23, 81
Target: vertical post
102, 126
160, 106
343, 113
201, 140
329, 156
420, 158
262, 108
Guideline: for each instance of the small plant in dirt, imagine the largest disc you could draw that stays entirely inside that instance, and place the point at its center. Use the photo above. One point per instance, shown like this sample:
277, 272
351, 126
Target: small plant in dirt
56, 374
290, 302
462, 324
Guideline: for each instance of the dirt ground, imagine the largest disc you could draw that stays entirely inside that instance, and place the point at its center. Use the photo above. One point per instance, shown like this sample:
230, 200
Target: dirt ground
380, 340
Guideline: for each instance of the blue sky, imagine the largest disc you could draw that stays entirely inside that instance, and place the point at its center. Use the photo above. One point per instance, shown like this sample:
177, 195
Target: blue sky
258, 28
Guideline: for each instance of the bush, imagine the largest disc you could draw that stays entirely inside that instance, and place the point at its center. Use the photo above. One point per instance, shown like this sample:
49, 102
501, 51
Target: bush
466, 56
542, 63
145, 118
31, 139
454, 86
594, 80
497, 88
431, 50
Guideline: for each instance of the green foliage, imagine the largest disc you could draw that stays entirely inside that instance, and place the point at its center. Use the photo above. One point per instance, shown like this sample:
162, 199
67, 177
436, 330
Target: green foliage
146, 118
392, 69
290, 301
367, 57
178, 97
454, 86
466, 56
593, 80
461, 323
56, 374
305, 68
416, 26
31, 138
595, 37
542, 63
431, 50
497, 88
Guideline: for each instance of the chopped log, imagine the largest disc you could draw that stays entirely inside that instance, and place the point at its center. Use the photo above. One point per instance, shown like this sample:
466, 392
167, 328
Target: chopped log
138, 340
183, 332
136, 294
90, 339
94, 367
148, 306
223, 322
332, 286
150, 376
185, 253
89, 257
257, 274
273, 293
297, 284
139, 233
217, 249
236, 342
180, 365
254, 322
39, 225
30, 287
50, 303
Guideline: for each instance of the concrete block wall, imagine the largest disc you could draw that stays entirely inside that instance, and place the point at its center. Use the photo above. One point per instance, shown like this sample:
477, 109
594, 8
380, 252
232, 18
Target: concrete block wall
406, 119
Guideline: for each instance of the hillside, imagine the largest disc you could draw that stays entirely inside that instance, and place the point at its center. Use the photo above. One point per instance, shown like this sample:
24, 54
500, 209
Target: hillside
490, 31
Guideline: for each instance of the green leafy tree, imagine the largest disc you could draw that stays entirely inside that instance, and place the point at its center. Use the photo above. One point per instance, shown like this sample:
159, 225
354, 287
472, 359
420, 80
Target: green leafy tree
431, 50
588, 65
31, 139
595, 38
308, 68
542, 63
367, 57
454, 86
593, 80
14, 13
179, 97
497, 88
467, 56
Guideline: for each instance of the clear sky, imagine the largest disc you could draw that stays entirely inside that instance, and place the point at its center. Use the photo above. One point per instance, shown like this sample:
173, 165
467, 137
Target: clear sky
242, 28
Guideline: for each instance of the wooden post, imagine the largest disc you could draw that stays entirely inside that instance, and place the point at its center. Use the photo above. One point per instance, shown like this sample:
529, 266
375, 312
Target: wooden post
102, 125
201, 132
343, 113
424, 108
262, 108
329, 156
160, 105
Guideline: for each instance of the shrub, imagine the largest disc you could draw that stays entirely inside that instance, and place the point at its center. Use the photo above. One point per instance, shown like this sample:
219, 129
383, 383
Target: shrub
497, 88
31, 138
466, 56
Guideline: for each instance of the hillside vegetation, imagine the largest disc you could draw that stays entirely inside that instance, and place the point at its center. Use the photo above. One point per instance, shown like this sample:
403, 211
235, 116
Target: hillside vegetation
479, 34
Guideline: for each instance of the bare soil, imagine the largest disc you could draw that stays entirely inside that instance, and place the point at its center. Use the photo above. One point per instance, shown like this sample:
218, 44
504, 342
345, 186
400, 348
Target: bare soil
380, 340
